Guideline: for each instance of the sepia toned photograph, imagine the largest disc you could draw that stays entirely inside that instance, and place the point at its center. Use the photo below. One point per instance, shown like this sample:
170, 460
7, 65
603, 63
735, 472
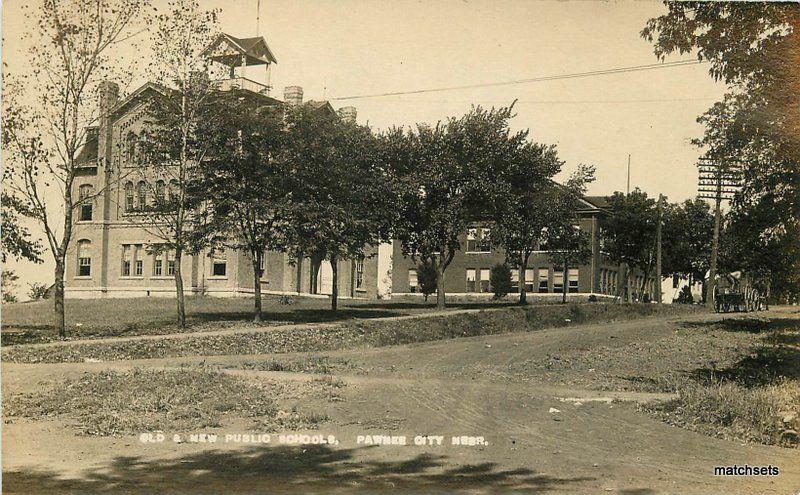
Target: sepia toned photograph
400, 246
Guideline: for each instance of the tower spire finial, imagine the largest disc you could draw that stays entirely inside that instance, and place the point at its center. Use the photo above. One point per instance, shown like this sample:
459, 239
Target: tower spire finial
258, 17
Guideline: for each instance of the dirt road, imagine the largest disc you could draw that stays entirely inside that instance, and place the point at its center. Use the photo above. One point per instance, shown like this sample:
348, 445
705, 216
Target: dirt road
546, 427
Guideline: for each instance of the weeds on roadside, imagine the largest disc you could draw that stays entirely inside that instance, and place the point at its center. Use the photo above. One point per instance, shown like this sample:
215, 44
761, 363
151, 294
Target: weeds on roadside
111, 403
729, 410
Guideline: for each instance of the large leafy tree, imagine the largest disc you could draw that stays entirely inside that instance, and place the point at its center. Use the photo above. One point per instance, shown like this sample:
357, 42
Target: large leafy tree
69, 59
566, 242
688, 228
523, 204
240, 182
629, 233
340, 201
445, 176
754, 47
169, 142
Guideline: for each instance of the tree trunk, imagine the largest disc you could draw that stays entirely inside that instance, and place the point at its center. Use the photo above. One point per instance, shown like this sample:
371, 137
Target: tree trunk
564, 283
335, 288
440, 303
257, 287
523, 296
628, 293
179, 288
58, 300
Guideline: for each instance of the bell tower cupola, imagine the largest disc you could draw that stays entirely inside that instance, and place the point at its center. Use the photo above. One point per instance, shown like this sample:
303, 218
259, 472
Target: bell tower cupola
244, 58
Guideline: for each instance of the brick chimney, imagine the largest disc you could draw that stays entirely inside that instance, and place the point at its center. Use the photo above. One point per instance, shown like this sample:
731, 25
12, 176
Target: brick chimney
107, 96
293, 96
347, 114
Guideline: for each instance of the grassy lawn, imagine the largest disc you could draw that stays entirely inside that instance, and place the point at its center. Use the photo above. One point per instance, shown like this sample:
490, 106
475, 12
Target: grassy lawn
31, 322
348, 334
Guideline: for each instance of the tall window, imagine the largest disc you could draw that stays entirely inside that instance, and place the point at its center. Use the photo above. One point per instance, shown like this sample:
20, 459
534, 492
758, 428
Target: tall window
129, 197
174, 187
84, 258
141, 195
131, 149
544, 285
158, 265
359, 272
573, 280
413, 283
127, 259
558, 280
160, 191
514, 280
530, 283
471, 285
171, 263
478, 240
84, 191
485, 277
262, 266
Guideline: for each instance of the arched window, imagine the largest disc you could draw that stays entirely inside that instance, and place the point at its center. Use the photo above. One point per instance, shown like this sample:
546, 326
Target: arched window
129, 196
174, 186
84, 193
131, 149
160, 191
141, 195
84, 258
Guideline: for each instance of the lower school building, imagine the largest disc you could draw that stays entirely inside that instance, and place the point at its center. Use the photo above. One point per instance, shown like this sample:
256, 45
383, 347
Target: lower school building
110, 260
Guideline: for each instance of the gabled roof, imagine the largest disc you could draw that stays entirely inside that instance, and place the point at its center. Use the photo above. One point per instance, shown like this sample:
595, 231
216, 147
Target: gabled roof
598, 201
137, 95
255, 49
321, 105
88, 154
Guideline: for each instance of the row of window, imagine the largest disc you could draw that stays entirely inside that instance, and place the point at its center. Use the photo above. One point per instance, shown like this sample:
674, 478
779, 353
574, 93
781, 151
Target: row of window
608, 281
479, 240
136, 198
132, 260
478, 280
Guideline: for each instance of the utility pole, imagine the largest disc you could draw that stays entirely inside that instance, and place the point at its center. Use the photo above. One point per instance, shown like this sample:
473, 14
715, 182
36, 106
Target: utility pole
718, 181
658, 247
628, 184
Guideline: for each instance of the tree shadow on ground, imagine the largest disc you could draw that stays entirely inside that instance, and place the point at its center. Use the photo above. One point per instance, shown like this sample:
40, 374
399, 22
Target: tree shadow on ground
295, 316
400, 305
283, 469
777, 357
767, 365
749, 324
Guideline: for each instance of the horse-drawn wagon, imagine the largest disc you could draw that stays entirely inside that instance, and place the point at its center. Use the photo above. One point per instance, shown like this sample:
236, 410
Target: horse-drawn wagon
736, 293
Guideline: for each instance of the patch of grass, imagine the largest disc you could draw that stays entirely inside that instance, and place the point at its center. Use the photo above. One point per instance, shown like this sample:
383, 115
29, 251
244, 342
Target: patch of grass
31, 322
349, 334
321, 365
292, 420
755, 399
731, 411
111, 403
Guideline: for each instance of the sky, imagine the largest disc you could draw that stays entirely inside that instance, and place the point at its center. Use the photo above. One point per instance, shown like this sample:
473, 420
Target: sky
340, 48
